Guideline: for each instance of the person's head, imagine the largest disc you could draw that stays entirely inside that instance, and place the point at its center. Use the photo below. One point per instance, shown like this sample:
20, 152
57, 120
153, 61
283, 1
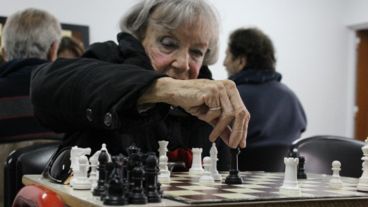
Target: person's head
70, 48
31, 33
178, 36
249, 48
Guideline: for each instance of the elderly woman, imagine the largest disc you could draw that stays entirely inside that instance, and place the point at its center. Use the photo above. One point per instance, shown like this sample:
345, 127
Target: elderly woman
152, 86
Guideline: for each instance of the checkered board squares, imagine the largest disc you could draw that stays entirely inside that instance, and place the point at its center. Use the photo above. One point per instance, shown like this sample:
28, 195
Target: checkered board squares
257, 186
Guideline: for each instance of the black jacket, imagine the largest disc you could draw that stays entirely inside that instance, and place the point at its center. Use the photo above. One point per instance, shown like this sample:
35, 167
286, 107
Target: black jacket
17, 122
277, 115
93, 100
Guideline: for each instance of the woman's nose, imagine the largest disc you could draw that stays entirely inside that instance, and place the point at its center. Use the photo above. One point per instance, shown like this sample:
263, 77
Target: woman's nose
181, 62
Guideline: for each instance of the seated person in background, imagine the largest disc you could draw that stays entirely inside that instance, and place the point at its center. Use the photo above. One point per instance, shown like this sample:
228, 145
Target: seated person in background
30, 38
70, 47
153, 86
277, 114
1, 58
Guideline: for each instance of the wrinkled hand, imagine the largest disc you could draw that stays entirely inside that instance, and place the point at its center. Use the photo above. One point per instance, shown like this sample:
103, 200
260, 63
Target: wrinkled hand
217, 103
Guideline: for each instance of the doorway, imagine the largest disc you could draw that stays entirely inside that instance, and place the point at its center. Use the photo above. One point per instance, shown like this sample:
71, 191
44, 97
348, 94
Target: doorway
361, 101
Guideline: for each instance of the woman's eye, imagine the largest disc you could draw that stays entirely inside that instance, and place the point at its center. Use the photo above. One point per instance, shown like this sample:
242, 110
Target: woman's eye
197, 53
169, 43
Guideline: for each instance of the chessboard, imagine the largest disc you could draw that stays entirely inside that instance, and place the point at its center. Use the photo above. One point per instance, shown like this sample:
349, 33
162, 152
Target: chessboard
257, 186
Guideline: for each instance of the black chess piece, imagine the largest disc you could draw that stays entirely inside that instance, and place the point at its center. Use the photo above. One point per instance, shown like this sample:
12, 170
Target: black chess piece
124, 171
301, 172
294, 153
133, 156
233, 177
102, 160
136, 195
151, 182
114, 188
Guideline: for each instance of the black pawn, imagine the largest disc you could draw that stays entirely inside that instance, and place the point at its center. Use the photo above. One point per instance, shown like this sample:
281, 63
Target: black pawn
233, 177
102, 160
115, 192
151, 182
301, 172
136, 195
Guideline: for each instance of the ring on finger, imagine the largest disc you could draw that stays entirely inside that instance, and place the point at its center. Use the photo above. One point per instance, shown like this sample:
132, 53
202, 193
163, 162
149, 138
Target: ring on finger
215, 108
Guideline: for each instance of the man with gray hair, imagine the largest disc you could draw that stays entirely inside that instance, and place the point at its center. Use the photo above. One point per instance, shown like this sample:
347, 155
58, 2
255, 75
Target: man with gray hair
30, 38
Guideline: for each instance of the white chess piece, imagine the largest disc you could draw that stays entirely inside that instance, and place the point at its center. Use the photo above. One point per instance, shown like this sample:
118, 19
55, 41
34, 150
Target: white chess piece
164, 174
81, 181
75, 153
335, 181
162, 150
290, 184
93, 176
196, 168
363, 180
206, 178
213, 154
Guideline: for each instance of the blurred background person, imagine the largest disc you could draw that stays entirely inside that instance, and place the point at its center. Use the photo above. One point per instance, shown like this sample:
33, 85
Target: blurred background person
30, 38
70, 47
277, 114
1, 59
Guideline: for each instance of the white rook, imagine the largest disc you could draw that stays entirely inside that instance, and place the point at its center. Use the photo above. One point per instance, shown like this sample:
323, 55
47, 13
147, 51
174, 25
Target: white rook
196, 168
290, 184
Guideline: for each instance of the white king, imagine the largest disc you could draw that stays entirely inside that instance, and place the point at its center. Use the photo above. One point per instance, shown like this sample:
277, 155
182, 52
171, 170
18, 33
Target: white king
363, 180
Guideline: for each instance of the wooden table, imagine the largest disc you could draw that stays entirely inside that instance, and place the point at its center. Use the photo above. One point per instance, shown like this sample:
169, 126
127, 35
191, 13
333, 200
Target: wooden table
85, 198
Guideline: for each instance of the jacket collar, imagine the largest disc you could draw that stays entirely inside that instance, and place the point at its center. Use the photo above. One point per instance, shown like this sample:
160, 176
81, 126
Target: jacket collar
18, 64
248, 75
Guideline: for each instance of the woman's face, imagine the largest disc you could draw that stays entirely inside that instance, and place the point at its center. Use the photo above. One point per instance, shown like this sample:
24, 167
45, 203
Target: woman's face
177, 53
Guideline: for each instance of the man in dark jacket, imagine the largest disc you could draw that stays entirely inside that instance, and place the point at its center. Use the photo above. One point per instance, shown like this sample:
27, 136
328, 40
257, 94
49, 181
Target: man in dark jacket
277, 114
30, 38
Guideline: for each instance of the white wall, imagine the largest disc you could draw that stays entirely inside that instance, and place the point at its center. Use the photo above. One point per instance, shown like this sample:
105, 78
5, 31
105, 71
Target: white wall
311, 37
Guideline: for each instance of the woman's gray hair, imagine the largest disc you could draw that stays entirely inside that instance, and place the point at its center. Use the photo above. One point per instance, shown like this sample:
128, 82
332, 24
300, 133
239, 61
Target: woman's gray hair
170, 15
30, 33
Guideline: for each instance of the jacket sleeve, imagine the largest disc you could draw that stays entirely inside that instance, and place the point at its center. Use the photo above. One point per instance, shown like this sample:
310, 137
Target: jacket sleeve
82, 93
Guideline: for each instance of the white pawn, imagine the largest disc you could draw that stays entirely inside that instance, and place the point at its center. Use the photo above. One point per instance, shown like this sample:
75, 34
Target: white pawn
206, 178
363, 180
196, 168
81, 181
213, 154
164, 174
335, 181
290, 184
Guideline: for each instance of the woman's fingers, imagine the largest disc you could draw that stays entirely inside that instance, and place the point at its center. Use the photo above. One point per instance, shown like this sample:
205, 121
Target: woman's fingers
241, 117
224, 118
219, 104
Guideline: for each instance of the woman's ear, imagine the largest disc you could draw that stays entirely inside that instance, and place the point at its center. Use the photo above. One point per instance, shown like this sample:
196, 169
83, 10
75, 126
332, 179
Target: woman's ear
3, 53
52, 55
